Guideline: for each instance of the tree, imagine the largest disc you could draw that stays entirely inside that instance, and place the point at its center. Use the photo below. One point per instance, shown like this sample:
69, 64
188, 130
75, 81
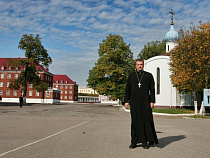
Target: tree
152, 49
190, 62
115, 63
35, 54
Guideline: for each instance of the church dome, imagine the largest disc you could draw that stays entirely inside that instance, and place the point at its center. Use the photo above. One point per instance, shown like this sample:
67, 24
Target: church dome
171, 35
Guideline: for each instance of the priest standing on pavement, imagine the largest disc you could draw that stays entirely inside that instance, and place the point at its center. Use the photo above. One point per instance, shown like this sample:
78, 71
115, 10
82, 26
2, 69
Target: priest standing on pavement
140, 97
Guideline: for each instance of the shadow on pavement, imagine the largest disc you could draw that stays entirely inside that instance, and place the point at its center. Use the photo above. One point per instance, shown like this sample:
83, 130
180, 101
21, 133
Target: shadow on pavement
163, 142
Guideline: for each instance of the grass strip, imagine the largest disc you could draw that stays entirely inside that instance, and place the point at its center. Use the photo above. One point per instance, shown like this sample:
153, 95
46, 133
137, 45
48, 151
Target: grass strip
173, 111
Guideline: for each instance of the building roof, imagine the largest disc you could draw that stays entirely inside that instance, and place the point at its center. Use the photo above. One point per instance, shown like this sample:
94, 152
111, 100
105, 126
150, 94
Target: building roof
61, 79
165, 54
4, 65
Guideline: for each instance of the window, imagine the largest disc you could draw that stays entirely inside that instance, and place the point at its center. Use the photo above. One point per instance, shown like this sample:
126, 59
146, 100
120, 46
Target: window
8, 92
16, 76
158, 80
66, 87
2, 75
168, 47
15, 93
61, 87
1, 84
61, 92
39, 75
47, 93
65, 97
8, 83
30, 93
1, 92
61, 97
70, 92
8, 75
70, 87
70, 97
56, 86
65, 92
37, 93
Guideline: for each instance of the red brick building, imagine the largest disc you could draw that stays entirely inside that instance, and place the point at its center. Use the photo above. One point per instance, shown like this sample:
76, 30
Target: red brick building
68, 88
8, 95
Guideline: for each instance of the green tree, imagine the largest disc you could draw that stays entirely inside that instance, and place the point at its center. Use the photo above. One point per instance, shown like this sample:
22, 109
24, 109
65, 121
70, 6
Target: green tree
115, 63
152, 49
35, 54
190, 62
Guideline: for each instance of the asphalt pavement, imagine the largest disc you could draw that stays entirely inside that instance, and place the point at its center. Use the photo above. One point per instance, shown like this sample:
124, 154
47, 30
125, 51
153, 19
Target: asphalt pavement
93, 131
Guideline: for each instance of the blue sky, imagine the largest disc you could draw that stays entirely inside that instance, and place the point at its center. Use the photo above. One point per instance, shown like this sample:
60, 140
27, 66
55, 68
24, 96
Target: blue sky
71, 30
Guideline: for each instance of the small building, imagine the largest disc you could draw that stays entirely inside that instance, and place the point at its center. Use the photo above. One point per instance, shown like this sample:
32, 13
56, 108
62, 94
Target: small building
167, 96
8, 73
68, 88
86, 90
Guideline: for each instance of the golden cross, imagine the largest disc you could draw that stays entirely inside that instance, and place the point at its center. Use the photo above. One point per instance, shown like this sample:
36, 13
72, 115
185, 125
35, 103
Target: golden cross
172, 13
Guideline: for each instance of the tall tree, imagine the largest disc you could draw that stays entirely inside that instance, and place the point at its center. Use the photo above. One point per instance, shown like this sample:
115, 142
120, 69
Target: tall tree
115, 62
152, 49
35, 54
190, 62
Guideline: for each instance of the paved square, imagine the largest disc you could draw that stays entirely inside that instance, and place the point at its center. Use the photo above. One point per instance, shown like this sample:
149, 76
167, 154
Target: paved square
93, 131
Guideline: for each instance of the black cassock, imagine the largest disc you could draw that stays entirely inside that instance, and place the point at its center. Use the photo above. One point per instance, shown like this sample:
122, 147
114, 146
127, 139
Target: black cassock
142, 124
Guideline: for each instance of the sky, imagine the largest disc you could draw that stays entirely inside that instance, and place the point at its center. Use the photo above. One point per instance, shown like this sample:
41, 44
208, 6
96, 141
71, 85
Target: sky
71, 30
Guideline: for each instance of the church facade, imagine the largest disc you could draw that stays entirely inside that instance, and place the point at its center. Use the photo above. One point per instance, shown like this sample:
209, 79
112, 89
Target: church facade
166, 94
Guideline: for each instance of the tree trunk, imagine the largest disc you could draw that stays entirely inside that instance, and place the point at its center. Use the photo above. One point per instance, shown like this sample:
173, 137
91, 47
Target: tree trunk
195, 98
207, 79
25, 84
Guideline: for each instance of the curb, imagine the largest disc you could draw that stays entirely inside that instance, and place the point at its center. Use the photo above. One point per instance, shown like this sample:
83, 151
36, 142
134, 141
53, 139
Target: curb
163, 114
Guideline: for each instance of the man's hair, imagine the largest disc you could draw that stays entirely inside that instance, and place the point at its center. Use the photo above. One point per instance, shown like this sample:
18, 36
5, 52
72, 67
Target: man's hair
140, 60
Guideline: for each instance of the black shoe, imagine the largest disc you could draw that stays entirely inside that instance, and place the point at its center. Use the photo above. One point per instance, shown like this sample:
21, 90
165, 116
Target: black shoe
145, 146
132, 146
151, 143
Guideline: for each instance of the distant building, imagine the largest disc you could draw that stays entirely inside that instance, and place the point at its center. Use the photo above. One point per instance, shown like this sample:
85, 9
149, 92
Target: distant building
68, 88
88, 97
86, 90
33, 96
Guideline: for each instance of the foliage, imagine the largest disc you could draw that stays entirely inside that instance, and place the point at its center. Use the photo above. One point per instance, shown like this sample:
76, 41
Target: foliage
152, 49
115, 62
190, 62
86, 94
35, 55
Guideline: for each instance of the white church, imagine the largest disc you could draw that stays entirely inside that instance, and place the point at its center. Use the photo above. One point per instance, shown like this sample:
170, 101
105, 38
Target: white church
166, 95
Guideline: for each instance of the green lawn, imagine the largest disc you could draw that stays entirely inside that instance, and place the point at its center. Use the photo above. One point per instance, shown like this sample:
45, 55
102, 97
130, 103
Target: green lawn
173, 111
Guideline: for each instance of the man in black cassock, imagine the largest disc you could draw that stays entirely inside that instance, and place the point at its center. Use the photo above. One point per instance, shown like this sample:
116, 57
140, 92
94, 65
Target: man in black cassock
140, 97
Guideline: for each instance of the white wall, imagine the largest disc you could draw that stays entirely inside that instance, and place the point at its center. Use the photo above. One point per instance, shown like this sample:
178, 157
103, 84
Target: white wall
16, 100
168, 94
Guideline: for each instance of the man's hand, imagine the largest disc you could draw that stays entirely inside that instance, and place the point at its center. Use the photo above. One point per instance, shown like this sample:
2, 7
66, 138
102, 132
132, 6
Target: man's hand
152, 105
127, 105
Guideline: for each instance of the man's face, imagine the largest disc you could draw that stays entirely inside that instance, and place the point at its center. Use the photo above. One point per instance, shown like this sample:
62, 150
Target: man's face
139, 65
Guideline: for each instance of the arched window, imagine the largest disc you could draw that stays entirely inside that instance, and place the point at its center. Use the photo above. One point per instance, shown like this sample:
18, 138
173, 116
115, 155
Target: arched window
158, 80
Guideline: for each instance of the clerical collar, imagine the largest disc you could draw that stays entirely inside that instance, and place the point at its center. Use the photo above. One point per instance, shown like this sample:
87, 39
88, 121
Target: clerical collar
140, 72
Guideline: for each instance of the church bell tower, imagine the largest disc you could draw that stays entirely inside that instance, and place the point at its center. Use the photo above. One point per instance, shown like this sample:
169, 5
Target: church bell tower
171, 35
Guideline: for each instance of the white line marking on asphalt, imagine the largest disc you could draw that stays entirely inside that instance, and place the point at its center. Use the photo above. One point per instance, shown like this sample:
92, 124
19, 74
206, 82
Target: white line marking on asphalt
42, 139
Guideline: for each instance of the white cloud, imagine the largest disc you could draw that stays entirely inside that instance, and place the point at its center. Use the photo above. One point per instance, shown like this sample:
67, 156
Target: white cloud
73, 29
